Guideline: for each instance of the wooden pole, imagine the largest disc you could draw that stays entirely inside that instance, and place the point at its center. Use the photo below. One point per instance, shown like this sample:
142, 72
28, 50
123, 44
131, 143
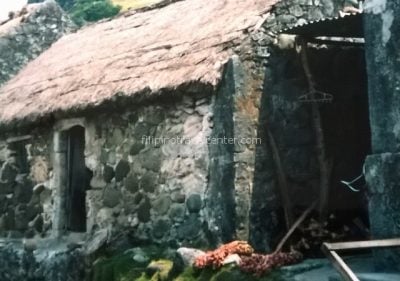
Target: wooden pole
325, 168
282, 182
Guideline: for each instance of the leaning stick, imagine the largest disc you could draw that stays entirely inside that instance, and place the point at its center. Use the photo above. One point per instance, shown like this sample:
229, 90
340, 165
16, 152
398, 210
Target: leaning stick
295, 226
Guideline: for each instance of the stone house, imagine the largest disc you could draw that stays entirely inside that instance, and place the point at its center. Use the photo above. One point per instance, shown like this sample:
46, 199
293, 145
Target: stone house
154, 124
112, 126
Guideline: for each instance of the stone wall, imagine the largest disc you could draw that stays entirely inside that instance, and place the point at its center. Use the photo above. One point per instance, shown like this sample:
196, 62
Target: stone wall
382, 27
279, 112
27, 35
152, 188
25, 195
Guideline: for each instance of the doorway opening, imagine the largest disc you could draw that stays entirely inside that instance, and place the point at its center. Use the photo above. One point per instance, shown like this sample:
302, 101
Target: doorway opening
77, 180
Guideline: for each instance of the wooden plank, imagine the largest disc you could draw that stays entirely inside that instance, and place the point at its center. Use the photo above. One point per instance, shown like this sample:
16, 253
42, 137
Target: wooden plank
341, 266
18, 139
363, 244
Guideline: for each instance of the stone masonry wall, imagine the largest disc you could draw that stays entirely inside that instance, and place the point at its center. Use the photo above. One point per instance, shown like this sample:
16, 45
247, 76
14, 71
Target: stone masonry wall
29, 34
25, 195
274, 55
154, 189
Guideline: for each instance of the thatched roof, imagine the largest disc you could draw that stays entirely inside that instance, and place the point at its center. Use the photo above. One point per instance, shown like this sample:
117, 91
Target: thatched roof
185, 42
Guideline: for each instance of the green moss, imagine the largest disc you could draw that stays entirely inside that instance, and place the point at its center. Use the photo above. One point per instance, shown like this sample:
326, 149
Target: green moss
164, 270
118, 268
228, 273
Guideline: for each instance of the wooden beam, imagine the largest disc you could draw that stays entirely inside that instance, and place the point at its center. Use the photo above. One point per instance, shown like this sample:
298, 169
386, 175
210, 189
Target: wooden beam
18, 139
330, 251
363, 244
340, 265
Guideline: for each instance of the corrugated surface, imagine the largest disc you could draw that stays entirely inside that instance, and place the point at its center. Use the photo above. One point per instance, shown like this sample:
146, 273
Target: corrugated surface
341, 26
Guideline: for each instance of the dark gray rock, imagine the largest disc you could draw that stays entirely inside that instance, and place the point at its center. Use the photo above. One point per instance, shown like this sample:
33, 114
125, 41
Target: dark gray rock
177, 212
136, 147
151, 160
190, 228
8, 173
111, 197
194, 203
121, 170
144, 210
161, 204
148, 182
108, 173
132, 183
161, 228
138, 198
178, 197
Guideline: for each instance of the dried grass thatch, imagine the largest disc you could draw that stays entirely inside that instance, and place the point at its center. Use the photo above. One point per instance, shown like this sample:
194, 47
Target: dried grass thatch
182, 43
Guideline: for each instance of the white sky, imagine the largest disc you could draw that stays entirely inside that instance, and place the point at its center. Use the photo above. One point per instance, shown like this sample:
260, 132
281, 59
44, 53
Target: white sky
10, 5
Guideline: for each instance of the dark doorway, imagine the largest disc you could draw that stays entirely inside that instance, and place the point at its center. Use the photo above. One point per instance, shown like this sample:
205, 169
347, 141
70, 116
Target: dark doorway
78, 178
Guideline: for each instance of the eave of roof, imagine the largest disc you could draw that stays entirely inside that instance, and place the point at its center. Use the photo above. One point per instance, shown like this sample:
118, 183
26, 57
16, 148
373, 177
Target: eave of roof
154, 51
346, 25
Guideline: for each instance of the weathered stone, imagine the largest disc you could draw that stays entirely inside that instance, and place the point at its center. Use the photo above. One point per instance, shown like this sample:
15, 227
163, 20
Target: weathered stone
161, 228
187, 256
296, 10
144, 210
192, 126
117, 137
121, 170
108, 173
139, 255
156, 116
37, 223
111, 197
178, 197
203, 109
141, 130
8, 172
132, 183
138, 197
190, 228
104, 217
148, 182
177, 212
194, 203
98, 240
161, 204
151, 160
136, 147
97, 183
103, 156
287, 19
21, 218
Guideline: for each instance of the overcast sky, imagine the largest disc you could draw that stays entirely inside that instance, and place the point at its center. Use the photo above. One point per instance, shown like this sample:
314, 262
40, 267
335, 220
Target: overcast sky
10, 5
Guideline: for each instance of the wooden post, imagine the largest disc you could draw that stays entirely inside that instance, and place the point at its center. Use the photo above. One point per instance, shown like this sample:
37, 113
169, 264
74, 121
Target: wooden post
325, 168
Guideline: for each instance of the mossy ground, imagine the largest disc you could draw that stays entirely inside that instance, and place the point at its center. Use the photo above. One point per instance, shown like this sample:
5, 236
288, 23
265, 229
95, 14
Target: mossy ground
224, 274
124, 268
